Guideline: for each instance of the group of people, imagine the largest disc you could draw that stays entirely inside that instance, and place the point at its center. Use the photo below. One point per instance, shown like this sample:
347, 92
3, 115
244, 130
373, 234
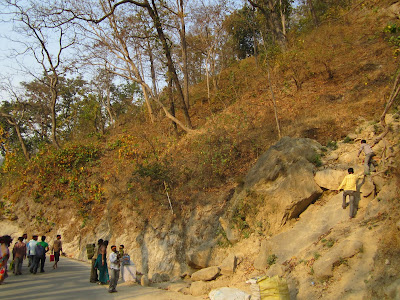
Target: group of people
99, 271
34, 250
349, 183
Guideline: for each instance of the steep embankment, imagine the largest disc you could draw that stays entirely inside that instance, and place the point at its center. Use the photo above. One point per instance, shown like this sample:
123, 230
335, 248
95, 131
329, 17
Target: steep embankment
313, 243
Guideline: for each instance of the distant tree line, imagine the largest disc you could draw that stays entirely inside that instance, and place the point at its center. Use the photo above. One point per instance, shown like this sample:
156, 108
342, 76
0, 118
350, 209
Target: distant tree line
103, 59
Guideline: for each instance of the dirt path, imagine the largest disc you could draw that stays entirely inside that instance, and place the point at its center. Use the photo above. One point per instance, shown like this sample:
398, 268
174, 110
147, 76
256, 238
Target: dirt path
71, 281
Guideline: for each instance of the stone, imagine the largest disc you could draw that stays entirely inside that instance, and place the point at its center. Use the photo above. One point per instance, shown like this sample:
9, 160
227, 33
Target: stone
206, 274
164, 277
323, 266
178, 286
199, 259
398, 225
379, 182
229, 264
227, 293
331, 157
199, 288
393, 291
348, 158
144, 281
156, 278
329, 179
387, 193
282, 179
352, 136
232, 234
367, 187
261, 261
275, 269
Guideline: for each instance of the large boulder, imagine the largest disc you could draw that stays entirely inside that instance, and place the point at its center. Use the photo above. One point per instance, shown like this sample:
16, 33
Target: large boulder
261, 261
199, 258
232, 234
282, 180
229, 264
329, 179
199, 288
206, 274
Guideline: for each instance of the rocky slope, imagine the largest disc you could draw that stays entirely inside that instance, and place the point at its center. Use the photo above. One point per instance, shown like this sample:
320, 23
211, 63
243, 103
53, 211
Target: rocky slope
285, 219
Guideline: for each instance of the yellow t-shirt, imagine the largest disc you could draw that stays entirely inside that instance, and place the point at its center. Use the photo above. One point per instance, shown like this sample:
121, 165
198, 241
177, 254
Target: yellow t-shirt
349, 183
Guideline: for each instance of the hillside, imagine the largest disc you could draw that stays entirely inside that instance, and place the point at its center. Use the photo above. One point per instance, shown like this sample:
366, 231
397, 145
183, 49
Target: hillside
235, 187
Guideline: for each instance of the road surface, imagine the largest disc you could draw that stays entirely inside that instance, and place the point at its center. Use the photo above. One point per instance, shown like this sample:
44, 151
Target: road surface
71, 281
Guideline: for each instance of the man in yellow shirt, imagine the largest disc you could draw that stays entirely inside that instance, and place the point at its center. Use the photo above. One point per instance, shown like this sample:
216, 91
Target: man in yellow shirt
349, 186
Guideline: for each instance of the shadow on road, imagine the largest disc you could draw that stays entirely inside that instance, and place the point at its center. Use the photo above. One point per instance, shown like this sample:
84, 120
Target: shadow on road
71, 281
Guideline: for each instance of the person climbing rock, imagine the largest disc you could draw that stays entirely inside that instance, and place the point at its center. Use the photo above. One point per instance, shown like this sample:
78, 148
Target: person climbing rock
368, 155
349, 186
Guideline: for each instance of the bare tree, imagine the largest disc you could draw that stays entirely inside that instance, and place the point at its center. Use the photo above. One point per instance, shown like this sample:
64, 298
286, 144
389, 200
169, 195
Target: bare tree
108, 12
208, 28
40, 32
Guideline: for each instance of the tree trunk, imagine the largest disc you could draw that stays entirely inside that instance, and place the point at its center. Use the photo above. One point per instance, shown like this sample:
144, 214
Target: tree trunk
152, 69
172, 105
171, 68
14, 123
54, 95
312, 12
184, 54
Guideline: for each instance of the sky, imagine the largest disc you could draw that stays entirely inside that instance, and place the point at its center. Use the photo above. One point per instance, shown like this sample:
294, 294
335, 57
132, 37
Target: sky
12, 65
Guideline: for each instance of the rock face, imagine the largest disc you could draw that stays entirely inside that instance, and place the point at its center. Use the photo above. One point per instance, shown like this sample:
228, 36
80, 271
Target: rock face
283, 181
231, 233
323, 267
199, 259
329, 179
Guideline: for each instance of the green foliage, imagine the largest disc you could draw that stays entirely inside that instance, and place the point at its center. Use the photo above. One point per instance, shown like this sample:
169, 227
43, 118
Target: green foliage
151, 176
272, 259
316, 160
74, 156
127, 146
241, 27
223, 241
215, 155
347, 140
317, 255
328, 243
247, 208
63, 174
332, 145
392, 32
155, 171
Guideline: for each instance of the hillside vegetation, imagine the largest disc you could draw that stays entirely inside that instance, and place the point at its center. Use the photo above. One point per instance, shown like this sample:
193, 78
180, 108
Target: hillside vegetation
141, 177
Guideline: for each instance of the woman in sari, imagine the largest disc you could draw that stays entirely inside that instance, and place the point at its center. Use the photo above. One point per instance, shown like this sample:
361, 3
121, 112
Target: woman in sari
101, 263
5, 242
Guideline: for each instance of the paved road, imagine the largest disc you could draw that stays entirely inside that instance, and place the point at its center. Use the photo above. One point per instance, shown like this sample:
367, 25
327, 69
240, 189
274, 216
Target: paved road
71, 281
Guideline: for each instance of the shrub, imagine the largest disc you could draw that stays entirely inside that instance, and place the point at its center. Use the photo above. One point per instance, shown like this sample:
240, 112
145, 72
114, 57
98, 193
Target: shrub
332, 145
271, 259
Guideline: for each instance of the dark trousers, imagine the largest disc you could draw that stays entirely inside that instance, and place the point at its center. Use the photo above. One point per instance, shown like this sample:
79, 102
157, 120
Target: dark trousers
35, 264
42, 260
93, 272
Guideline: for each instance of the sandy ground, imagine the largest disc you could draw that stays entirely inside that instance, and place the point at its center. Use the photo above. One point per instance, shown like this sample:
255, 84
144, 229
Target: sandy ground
71, 281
